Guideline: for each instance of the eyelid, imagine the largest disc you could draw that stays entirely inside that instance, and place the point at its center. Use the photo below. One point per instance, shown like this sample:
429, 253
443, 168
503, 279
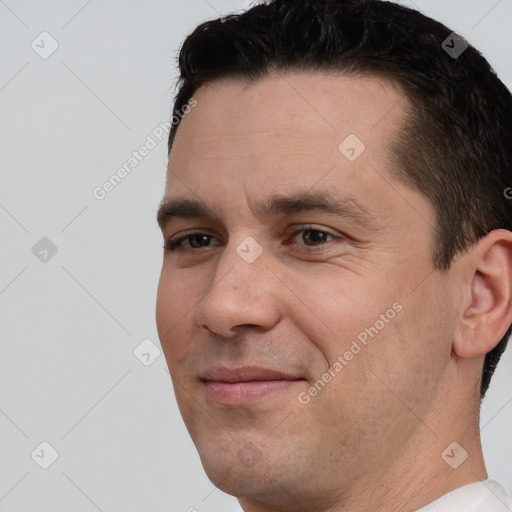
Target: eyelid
174, 242
315, 227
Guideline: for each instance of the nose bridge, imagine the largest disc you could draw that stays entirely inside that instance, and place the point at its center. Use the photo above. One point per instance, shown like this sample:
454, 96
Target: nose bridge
240, 293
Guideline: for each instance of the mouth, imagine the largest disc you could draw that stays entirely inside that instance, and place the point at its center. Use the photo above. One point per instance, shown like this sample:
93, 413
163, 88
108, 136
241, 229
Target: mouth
246, 385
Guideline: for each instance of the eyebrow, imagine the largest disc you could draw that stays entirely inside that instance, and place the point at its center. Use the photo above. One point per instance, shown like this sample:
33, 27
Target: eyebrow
346, 207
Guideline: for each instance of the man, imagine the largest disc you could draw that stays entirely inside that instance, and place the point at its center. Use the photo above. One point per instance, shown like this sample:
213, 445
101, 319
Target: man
336, 288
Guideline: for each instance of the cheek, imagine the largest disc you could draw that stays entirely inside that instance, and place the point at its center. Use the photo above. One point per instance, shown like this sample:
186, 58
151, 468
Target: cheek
359, 325
344, 311
174, 305
178, 292
411, 353
165, 313
173, 325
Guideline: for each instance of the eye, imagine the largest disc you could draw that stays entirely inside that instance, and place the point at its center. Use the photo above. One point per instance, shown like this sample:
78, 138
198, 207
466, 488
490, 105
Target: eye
308, 236
312, 236
193, 241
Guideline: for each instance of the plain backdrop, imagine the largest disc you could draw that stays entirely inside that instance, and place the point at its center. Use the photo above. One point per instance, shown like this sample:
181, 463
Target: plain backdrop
82, 85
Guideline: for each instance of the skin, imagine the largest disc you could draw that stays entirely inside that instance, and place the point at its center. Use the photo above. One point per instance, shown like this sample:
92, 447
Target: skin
373, 437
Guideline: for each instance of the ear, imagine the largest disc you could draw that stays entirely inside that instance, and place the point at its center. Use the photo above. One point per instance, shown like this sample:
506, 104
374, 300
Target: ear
487, 312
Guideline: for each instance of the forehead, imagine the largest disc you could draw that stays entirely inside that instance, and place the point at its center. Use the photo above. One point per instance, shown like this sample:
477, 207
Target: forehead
286, 131
315, 103
236, 119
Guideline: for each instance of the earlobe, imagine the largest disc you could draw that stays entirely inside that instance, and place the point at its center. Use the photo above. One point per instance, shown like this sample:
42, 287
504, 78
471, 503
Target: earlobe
488, 314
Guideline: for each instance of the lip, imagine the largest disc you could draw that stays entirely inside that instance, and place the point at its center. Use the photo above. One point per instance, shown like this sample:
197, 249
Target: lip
245, 385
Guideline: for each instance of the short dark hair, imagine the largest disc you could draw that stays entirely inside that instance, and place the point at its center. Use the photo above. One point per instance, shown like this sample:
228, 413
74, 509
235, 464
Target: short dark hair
456, 144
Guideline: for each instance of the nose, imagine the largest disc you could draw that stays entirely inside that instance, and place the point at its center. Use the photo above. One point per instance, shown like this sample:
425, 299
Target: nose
242, 293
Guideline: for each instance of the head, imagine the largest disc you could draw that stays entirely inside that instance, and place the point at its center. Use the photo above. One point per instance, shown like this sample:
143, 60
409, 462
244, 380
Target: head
341, 181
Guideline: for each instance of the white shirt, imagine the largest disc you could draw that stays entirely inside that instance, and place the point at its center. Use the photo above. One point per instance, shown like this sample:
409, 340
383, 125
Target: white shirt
485, 496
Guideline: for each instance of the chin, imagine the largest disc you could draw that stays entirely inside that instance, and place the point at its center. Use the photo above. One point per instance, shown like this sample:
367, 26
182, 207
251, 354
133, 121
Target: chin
239, 467
271, 484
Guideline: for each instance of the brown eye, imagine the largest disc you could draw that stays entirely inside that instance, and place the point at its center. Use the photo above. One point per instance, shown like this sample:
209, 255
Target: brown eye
195, 241
199, 240
311, 237
315, 236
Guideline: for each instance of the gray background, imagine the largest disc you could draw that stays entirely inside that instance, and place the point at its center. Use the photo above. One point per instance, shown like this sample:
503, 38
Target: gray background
70, 323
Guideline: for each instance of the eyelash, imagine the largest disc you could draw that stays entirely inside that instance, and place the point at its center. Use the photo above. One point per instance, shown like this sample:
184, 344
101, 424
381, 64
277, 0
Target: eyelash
175, 245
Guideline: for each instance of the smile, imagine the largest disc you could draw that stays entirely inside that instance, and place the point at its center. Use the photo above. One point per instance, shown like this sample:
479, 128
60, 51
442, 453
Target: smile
245, 386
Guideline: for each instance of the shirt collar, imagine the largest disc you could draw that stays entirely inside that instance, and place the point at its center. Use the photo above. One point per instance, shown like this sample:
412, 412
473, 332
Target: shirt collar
488, 496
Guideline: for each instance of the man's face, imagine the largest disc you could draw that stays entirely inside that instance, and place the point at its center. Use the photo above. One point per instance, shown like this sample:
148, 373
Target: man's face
271, 288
